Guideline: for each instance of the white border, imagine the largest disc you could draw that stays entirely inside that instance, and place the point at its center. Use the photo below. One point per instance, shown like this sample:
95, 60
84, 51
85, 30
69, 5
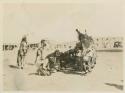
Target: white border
51, 1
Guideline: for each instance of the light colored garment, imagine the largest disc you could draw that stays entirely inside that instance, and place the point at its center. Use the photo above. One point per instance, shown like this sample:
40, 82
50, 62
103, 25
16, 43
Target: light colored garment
45, 63
23, 45
41, 57
79, 54
44, 53
90, 54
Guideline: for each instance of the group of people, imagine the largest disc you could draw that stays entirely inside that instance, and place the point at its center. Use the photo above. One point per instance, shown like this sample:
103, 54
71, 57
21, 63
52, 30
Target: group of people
22, 51
83, 50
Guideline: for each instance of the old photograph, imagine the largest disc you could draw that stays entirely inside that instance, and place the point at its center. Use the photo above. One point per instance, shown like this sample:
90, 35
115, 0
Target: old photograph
62, 47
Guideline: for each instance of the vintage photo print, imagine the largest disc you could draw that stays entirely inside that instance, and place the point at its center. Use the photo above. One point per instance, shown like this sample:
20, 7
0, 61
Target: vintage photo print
76, 47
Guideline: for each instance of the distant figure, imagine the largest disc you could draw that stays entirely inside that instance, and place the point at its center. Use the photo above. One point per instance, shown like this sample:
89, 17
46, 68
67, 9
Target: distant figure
22, 52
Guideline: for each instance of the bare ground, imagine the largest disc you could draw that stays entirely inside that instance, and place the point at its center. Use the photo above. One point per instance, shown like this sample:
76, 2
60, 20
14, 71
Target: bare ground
106, 76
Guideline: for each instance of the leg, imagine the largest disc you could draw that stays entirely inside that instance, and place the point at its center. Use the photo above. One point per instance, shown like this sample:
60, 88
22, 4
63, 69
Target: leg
19, 61
85, 67
23, 61
90, 64
36, 59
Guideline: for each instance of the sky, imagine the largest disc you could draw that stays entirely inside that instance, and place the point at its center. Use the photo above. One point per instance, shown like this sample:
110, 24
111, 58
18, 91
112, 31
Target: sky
59, 21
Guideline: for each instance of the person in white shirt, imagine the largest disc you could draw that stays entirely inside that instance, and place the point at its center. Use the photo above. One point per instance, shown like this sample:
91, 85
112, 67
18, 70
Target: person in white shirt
41, 57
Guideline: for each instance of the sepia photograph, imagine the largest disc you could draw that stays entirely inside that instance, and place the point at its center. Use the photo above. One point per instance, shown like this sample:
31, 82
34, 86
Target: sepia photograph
63, 47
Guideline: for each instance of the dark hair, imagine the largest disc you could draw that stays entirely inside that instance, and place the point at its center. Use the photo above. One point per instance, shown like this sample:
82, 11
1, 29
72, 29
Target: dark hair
24, 39
77, 30
42, 41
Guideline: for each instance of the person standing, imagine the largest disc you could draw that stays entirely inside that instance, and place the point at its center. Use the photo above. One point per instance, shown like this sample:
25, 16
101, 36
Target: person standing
22, 52
41, 58
40, 52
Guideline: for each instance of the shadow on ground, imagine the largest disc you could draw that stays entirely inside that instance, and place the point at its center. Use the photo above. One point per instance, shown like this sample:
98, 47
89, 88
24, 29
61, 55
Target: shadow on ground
73, 72
120, 87
12, 66
33, 73
30, 64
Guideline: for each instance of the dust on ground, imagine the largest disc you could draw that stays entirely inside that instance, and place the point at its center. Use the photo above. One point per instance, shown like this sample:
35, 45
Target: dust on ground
106, 76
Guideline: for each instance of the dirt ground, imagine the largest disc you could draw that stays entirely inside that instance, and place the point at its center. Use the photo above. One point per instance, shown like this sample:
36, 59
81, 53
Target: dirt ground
106, 76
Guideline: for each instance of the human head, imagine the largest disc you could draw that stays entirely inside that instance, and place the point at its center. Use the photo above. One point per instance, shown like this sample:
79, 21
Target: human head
77, 30
43, 43
24, 38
